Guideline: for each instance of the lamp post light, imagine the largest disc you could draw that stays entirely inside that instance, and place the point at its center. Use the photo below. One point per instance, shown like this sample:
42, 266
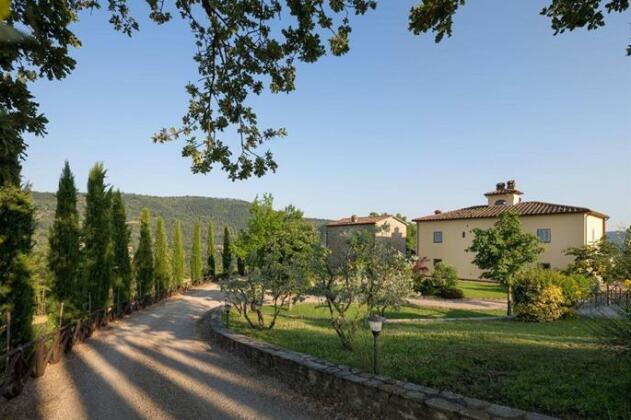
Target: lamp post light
376, 324
226, 307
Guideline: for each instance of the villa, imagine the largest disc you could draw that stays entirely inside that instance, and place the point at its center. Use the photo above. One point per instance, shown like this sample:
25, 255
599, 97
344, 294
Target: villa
445, 236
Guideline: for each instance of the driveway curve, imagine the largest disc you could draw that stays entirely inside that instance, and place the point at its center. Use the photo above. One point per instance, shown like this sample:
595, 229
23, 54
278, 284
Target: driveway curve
157, 364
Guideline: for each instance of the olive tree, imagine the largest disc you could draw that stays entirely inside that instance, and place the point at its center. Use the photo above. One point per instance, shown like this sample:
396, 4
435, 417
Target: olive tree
368, 277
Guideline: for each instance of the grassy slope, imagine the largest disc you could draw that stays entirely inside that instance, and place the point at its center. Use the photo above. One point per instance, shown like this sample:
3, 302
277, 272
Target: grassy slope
557, 368
482, 290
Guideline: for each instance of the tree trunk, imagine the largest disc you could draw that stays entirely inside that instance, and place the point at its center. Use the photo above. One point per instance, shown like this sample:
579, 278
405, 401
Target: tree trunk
509, 300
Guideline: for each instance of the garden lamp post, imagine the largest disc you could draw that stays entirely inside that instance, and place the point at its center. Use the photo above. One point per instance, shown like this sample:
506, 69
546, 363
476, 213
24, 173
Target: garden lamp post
376, 324
226, 307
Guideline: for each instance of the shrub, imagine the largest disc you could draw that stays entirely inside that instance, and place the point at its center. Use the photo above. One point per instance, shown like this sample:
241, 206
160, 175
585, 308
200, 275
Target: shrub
442, 282
540, 303
537, 288
451, 293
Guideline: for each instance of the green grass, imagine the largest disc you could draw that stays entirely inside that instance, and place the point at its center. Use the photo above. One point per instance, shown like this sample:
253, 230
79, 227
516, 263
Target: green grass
312, 310
482, 290
556, 368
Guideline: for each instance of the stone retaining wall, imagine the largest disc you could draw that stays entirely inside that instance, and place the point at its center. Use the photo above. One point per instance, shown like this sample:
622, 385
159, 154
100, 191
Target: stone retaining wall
371, 395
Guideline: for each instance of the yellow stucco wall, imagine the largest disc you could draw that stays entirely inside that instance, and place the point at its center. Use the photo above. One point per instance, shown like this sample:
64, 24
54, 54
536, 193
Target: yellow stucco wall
567, 230
594, 228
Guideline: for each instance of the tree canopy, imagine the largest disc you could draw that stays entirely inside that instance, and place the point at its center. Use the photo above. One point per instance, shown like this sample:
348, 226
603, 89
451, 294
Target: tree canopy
242, 46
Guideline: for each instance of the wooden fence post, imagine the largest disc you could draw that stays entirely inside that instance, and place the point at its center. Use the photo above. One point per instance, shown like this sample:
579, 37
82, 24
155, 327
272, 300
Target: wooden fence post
61, 314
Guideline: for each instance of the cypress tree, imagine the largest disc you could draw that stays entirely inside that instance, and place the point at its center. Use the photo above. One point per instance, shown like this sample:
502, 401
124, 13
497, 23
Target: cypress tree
64, 255
178, 254
241, 266
97, 251
16, 290
162, 264
211, 269
226, 257
120, 243
143, 259
196, 258
17, 222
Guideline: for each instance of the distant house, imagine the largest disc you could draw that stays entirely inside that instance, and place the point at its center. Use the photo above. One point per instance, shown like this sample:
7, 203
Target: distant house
388, 230
444, 236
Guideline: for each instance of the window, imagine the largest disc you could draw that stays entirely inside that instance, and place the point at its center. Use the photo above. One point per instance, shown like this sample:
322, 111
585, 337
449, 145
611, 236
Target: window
544, 235
463, 234
438, 237
500, 202
545, 266
437, 261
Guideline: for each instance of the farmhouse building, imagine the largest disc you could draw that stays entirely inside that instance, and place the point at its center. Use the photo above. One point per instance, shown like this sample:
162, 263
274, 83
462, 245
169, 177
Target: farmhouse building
445, 236
388, 230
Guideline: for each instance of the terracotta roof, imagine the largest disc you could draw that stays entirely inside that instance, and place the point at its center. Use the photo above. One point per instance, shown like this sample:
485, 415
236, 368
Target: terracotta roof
358, 220
526, 208
504, 191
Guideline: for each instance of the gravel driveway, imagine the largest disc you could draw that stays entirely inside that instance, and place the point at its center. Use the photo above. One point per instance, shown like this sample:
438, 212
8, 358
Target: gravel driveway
156, 364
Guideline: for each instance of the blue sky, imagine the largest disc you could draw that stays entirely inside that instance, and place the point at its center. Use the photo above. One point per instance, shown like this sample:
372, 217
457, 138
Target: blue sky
399, 124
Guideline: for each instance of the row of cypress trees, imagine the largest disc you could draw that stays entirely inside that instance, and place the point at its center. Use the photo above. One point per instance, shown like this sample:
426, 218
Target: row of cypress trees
90, 263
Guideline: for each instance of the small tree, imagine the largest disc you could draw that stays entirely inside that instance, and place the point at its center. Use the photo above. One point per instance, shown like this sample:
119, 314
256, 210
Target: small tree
600, 261
341, 282
179, 255
370, 276
97, 251
64, 255
196, 257
226, 256
389, 279
143, 259
162, 264
120, 241
278, 247
503, 250
211, 269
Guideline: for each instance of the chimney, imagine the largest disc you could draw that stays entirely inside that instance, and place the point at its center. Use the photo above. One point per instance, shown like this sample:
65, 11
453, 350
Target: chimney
354, 218
504, 194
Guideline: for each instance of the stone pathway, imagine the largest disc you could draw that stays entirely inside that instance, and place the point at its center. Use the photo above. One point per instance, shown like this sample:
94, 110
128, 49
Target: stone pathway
156, 364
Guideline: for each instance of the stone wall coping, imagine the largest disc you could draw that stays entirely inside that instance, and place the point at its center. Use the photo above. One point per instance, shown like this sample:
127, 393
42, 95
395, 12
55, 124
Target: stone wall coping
374, 396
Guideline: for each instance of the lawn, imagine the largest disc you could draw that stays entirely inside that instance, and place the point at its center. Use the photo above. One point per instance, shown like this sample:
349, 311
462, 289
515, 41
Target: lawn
482, 290
556, 368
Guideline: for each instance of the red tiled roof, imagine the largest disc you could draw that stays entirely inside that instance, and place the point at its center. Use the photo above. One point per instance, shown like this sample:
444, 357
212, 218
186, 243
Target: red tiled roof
526, 208
368, 220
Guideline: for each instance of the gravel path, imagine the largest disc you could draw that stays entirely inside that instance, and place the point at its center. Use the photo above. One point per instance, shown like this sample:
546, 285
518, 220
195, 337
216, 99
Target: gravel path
156, 364
467, 304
